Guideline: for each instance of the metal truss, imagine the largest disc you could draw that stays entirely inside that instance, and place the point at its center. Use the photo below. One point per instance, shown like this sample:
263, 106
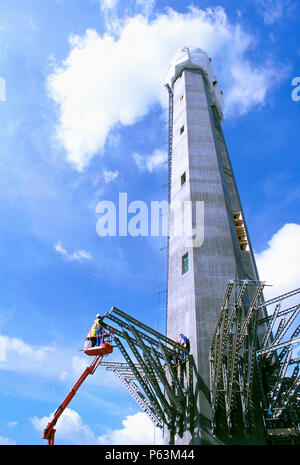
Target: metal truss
127, 377
280, 371
154, 373
247, 344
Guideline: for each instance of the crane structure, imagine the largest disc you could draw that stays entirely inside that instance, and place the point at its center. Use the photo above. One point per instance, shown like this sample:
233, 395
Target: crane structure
251, 355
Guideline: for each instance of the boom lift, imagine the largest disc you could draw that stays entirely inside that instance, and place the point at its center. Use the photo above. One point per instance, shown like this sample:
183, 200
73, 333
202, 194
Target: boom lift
104, 348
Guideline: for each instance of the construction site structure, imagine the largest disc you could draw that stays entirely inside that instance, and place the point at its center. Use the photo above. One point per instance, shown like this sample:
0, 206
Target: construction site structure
252, 370
245, 367
159, 373
151, 372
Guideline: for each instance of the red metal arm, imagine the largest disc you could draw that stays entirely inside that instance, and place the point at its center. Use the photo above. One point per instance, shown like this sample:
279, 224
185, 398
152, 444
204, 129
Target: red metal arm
49, 431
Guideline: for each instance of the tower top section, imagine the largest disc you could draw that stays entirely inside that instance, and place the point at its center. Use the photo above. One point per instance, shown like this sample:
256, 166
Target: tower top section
195, 58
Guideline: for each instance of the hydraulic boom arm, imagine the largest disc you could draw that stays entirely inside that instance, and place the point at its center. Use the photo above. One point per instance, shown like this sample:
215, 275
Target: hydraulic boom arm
49, 431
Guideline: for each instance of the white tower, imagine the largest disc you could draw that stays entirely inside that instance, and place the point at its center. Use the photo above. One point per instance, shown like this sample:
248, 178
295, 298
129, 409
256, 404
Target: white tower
198, 272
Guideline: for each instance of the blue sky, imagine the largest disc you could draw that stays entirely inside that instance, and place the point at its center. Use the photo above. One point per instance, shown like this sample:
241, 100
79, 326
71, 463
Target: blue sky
83, 119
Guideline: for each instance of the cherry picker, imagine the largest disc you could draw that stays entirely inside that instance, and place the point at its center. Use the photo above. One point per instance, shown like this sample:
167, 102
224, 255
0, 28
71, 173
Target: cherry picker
104, 348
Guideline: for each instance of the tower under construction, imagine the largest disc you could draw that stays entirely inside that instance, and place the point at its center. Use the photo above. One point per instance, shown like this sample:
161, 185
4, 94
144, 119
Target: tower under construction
199, 269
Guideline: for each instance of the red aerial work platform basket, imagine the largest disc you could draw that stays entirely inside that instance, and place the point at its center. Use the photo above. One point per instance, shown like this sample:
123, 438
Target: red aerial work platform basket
104, 346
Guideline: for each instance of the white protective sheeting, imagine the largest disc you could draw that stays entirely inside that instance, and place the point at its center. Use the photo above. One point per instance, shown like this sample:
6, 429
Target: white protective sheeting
194, 57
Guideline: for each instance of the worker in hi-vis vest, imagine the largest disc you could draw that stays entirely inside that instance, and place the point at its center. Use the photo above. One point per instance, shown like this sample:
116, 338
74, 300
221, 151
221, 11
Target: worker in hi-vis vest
92, 335
100, 329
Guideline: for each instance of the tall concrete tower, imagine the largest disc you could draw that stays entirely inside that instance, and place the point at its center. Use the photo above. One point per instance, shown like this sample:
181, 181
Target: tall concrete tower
199, 270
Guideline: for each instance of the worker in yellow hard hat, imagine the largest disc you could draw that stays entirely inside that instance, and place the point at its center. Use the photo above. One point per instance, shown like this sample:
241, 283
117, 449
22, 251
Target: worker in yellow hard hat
92, 334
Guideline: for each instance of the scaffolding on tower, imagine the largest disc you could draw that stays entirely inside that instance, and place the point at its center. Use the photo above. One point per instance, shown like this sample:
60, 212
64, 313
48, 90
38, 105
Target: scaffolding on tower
245, 346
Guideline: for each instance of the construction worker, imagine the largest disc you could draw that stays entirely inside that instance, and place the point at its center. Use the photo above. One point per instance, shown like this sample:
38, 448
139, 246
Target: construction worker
184, 342
100, 329
92, 335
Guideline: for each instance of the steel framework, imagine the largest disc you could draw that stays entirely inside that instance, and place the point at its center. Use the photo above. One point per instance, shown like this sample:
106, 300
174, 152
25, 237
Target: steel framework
158, 372
245, 347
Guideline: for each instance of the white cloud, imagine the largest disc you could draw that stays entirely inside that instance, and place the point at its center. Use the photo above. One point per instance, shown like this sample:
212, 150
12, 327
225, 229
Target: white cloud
23, 350
139, 160
113, 139
108, 80
145, 6
270, 10
69, 427
137, 429
2, 89
279, 263
48, 361
21, 357
78, 364
59, 248
108, 4
81, 254
151, 162
250, 87
63, 375
109, 176
7, 441
75, 256
11, 424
